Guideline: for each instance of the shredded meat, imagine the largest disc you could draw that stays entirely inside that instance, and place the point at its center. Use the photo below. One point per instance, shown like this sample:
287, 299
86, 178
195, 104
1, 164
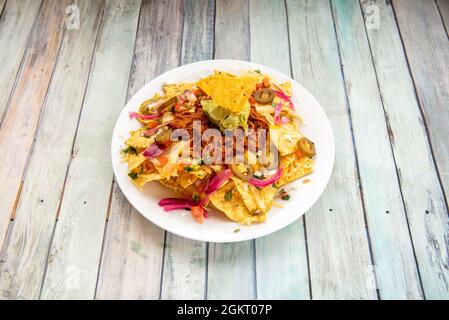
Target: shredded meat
185, 119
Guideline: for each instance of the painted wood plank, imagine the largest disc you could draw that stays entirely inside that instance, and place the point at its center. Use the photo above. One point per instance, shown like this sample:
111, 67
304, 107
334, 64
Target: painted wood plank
231, 266
185, 260
76, 248
338, 250
19, 125
2, 5
23, 264
393, 254
285, 250
443, 7
17, 19
425, 203
138, 252
427, 51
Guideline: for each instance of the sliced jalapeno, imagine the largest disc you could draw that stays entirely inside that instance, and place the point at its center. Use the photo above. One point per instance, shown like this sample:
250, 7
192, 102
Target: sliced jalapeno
307, 147
264, 96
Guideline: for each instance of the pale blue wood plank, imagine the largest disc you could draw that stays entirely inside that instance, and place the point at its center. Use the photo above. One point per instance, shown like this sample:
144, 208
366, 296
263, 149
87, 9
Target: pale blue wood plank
338, 250
423, 196
231, 266
281, 259
393, 254
76, 249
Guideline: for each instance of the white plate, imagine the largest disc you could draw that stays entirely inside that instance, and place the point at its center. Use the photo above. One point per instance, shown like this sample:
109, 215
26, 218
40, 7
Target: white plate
218, 228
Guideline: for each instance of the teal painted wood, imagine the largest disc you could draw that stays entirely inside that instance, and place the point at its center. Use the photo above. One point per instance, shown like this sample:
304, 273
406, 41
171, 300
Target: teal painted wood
231, 273
17, 19
285, 250
185, 260
338, 250
134, 247
22, 117
393, 254
424, 201
76, 248
23, 264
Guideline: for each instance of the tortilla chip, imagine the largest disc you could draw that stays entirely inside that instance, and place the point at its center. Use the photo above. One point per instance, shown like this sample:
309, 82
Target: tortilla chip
143, 178
285, 137
287, 87
175, 89
186, 179
259, 199
234, 209
136, 140
231, 93
294, 168
134, 160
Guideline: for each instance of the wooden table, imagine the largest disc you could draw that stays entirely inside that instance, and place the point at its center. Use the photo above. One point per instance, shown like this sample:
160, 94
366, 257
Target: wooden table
380, 230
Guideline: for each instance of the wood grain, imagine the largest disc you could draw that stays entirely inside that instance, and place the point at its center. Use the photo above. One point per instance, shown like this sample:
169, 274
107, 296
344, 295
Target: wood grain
22, 267
138, 252
428, 55
16, 24
424, 201
443, 7
393, 254
285, 250
19, 125
185, 260
231, 273
76, 249
338, 250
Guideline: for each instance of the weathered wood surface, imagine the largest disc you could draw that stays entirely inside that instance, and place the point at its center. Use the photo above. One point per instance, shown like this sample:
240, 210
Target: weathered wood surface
285, 250
20, 122
231, 272
22, 267
76, 248
393, 254
184, 275
16, 21
424, 201
138, 252
443, 7
427, 50
338, 250
61, 91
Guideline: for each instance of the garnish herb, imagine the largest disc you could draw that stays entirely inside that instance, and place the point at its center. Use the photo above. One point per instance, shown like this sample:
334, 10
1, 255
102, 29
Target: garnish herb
236, 230
284, 195
257, 70
131, 150
188, 168
132, 175
228, 195
195, 197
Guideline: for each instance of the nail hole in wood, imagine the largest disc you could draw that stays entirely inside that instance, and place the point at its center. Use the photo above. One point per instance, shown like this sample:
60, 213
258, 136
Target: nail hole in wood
387, 212
331, 209
427, 212
42, 200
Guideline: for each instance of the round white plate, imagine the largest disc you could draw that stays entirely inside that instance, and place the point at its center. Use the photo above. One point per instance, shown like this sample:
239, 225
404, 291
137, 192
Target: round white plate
218, 228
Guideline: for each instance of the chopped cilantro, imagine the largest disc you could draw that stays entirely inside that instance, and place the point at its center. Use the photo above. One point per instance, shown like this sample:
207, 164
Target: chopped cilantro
188, 169
236, 230
228, 195
274, 185
132, 175
257, 70
286, 197
130, 150
195, 197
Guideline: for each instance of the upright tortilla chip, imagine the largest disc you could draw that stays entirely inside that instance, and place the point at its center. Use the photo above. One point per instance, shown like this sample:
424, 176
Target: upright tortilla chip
284, 137
231, 93
136, 140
